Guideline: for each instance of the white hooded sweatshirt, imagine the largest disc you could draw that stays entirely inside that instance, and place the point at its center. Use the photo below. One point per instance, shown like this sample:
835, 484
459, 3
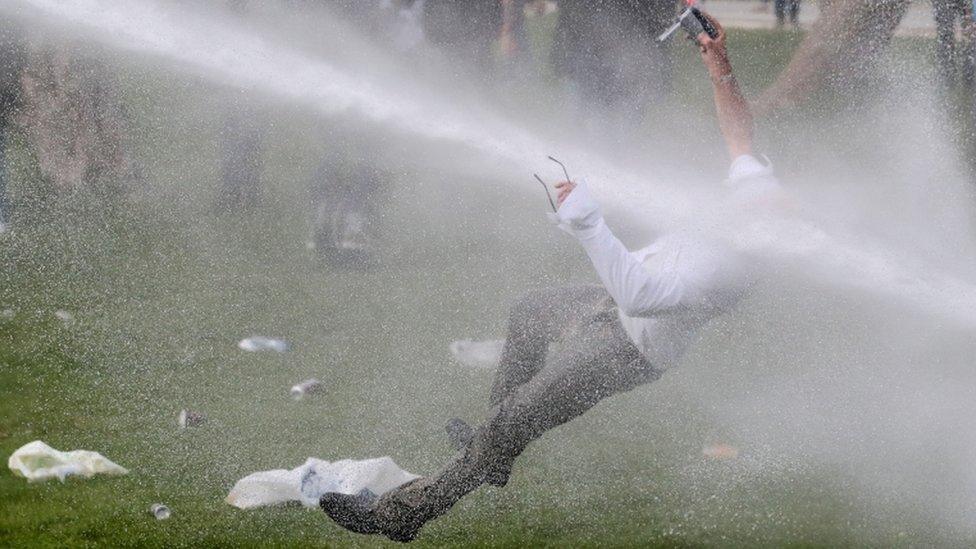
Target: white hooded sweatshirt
667, 291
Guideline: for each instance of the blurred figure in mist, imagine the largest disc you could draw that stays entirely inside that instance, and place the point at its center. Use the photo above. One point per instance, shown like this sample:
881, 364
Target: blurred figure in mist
241, 142
11, 69
787, 8
345, 210
947, 14
241, 156
73, 119
465, 29
395, 22
513, 42
608, 53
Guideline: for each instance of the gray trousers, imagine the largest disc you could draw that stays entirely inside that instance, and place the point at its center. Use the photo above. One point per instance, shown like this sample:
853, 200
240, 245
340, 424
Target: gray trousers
565, 351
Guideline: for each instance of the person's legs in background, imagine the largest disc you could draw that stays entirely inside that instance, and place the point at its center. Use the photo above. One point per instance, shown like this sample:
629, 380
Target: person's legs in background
968, 45
944, 12
241, 141
779, 6
4, 204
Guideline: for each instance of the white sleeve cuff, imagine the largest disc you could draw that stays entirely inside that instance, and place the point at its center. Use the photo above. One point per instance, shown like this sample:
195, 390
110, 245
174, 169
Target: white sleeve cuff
579, 214
747, 166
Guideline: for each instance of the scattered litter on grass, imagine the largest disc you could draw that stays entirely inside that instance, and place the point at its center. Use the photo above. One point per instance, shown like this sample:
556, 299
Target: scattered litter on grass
189, 418
64, 316
7, 314
314, 478
307, 387
38, 461
261, 343
478, 354
720, 451
160, 511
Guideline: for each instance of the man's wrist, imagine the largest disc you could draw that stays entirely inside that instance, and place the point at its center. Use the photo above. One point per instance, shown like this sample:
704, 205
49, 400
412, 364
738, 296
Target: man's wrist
718, 63
723, 79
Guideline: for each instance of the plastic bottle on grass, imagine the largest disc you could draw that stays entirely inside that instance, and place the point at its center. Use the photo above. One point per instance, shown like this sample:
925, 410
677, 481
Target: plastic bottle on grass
261, 343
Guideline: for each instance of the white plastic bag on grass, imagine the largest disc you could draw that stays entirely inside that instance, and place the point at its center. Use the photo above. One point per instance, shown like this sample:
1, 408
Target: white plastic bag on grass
308, 482
38, 461
483, 355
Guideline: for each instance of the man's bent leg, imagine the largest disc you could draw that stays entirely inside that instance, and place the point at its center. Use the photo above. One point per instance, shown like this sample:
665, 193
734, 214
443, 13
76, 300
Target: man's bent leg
536, 320
602, 363
599, 362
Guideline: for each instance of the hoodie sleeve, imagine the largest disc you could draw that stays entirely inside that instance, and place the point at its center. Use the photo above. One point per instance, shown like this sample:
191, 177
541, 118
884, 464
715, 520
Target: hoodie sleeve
637, 291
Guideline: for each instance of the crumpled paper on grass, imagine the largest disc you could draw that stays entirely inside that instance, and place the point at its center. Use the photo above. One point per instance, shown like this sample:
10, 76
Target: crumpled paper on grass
38, 461
310, 481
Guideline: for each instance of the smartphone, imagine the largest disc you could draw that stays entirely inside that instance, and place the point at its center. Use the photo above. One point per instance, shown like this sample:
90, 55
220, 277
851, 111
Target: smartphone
694, 22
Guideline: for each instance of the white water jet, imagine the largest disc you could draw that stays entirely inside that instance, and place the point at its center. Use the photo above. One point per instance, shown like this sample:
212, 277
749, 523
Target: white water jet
228, 53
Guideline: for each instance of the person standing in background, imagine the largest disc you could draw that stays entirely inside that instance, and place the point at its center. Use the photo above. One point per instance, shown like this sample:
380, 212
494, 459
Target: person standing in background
607, 53
345, 192
513, 41
241, 141
11, 69
947, 14
72, 116
466, 29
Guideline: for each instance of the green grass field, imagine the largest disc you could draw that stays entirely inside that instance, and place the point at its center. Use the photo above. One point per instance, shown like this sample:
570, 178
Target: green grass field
161, 290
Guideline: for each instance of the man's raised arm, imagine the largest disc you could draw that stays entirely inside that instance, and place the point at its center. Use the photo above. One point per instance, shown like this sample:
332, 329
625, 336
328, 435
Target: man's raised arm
734, 116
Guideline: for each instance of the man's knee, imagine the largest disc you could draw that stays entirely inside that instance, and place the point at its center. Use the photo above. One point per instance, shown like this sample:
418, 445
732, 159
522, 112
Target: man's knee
536, 298
536, 303
531, 305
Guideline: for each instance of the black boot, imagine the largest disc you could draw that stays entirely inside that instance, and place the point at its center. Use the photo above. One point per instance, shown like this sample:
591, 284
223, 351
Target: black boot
352, 512
357, 513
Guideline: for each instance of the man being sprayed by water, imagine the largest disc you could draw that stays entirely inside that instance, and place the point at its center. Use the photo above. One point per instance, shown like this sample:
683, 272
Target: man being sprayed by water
611, 338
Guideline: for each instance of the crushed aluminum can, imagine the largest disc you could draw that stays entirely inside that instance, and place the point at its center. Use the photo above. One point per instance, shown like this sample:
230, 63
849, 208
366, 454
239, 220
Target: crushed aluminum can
189, 418
260, 343
160, 511
307, 387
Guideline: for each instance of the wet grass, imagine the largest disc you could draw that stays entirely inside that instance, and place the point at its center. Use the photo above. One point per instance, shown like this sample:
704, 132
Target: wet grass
162, 288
